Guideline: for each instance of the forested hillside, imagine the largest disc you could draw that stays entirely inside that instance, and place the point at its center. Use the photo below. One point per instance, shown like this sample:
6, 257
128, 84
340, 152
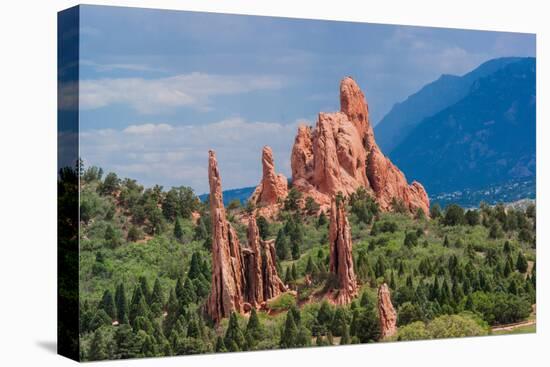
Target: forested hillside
145, 272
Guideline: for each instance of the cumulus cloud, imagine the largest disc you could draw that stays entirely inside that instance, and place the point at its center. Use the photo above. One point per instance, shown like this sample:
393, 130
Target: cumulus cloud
178, 155
156, 95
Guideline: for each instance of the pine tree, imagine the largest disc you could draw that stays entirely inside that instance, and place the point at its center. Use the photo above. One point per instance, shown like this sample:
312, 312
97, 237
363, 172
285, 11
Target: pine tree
521, 263
121, 304
220, 346
193, 329
310, 266
290, 332
108, 304
195, 266
254, 330
234, 337
281, 246
295, 251
392, 281
263, 227
294, 272
98, 347
157, 295
138, 306
178, 230
145, 290
507, 269
380, 267
188, 295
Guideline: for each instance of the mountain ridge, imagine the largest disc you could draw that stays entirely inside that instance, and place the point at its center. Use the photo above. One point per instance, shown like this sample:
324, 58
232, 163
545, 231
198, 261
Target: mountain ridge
430, 99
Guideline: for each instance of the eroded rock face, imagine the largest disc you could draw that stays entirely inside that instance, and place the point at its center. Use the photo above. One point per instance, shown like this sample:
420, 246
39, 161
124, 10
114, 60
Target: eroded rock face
274, 187
341, 259
341, 155
253, 265
227, 266
242, 278
386, 312
272, 283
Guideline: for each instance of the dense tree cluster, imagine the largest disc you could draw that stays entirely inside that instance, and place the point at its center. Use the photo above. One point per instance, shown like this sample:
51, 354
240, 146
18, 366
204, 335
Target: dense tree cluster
145, 272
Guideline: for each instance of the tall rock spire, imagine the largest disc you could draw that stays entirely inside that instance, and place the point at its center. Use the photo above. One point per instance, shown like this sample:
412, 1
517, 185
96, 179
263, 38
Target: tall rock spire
386, 312
226, 294
272, 189
242, 278
253, 265
341, 258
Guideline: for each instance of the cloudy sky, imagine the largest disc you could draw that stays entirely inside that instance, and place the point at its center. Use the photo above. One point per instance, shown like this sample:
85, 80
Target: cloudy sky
160, 88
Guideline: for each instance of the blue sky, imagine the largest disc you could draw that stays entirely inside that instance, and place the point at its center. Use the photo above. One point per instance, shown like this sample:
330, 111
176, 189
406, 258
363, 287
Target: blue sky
159, 88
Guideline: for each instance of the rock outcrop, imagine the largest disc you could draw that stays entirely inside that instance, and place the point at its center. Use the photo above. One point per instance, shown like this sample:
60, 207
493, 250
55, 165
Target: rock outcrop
273, 188
242, 278
341, 258
272, 283
253, 265
340, 155
226, 294
386, 312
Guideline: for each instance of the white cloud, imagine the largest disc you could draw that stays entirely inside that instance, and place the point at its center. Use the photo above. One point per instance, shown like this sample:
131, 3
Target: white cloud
156, 95
178, 155
147, 128
119, 66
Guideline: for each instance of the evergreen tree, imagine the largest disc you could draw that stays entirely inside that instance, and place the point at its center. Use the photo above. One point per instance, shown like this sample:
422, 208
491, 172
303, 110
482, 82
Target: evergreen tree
254, 330
195, 266
157, 295
178, 230
294, 272
310, 266
108, 304
121, 304
281, 246
138, 306
145, 290
392, 281
98, 347
380, 267
220, 345
290, 332
234, 337
263, 227
521, 263
188, 294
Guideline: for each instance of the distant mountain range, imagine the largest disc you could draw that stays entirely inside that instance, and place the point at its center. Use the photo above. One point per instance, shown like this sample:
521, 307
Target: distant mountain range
241, 194
430, 99
485, 139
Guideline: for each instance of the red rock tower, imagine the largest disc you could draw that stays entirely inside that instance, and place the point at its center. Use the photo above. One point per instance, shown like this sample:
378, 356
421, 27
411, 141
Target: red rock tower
341, 258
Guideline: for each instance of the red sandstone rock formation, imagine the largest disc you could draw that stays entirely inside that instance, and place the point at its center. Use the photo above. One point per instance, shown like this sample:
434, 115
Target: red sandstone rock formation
273, 188
253, 265
227, 267
386, 312
341, 155
263, 282
242, 278
341, 259
272, 283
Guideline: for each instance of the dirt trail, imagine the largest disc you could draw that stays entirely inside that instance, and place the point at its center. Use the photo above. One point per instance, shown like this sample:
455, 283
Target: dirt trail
516, 325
